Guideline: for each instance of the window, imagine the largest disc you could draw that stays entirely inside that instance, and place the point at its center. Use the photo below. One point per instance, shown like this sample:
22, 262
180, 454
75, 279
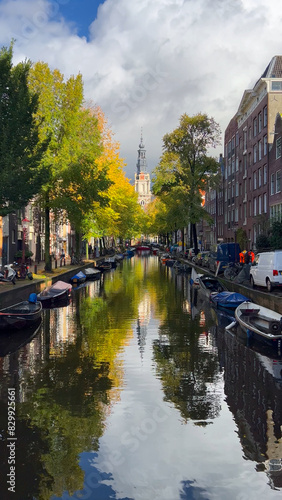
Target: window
237, 189
250, 133
259, 150
245, 139
265, 203
255, 180
237, 164
278, 148
250, 159
260, 204
272, 184
255, 206
265, 116
259, 122
276, 85
250, 209
259, 177
255, 150
278, 181
265, 174
255, 126
265, 145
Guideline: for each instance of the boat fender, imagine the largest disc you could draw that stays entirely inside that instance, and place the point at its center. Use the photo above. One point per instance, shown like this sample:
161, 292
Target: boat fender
231, 325
32, 298
274, 327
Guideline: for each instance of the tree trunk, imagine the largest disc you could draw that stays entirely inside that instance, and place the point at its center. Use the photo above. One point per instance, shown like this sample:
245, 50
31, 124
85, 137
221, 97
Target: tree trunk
195, 239
77, 241
48, 264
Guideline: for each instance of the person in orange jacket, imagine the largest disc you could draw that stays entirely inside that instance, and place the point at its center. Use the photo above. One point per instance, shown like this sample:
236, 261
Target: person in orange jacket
242, 257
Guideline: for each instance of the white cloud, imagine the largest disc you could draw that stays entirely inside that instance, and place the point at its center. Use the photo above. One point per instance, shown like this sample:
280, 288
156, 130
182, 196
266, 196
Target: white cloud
145, 63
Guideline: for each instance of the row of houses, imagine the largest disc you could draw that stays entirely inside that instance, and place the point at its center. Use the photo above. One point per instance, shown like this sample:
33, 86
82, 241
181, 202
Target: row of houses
25, 229
249, 197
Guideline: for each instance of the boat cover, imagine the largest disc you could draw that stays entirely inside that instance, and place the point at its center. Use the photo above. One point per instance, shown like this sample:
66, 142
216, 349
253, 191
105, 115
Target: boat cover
224, 298
79, 276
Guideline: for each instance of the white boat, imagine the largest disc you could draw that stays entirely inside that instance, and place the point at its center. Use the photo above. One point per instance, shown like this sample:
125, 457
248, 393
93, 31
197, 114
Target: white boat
260, 322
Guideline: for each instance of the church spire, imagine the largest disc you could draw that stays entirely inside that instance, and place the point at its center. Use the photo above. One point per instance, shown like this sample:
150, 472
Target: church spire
141, 159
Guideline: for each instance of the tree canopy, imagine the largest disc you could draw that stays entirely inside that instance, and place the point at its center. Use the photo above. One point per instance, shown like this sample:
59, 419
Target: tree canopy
186, 170
21, 151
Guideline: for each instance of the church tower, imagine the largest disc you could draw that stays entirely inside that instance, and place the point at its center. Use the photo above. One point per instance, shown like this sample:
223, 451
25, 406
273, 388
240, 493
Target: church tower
142, 177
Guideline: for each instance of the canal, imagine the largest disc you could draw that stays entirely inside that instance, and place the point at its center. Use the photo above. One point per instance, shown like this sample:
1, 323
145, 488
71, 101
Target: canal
135, 391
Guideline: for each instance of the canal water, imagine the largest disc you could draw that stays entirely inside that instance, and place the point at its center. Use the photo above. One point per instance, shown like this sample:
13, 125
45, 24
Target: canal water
135, 391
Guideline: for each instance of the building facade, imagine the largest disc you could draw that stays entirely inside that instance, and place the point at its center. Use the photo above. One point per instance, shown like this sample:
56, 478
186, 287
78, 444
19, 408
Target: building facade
142, 177
250, 197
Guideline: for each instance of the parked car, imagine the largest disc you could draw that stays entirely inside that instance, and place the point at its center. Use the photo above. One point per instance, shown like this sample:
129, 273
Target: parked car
266, 270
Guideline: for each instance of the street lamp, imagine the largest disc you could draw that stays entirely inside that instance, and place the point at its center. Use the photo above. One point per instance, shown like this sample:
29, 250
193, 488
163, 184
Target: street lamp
25, 223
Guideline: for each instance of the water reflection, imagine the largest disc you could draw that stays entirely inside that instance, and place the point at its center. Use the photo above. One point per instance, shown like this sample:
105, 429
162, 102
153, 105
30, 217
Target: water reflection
136, 391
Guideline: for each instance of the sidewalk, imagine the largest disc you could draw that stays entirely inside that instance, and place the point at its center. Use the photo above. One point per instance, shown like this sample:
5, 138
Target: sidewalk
10, 293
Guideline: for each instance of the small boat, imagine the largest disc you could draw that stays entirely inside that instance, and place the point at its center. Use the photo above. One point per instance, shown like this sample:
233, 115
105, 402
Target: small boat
21, 315
179, 267
12, 341
92, 274
261, 323
210, 284
103, 266
195, 277
55, 294
227, 300
78, 278
112, 261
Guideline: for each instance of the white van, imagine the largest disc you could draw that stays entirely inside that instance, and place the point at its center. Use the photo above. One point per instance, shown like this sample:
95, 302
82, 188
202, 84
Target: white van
266, 270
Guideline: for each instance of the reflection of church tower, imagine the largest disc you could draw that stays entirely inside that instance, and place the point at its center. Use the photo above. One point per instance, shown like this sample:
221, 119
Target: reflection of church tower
142, 178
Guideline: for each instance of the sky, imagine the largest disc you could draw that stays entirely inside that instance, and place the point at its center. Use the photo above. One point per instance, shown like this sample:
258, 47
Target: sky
145, 62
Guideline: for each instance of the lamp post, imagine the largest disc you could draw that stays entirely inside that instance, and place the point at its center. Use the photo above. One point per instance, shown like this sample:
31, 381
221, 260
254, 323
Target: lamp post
25, 223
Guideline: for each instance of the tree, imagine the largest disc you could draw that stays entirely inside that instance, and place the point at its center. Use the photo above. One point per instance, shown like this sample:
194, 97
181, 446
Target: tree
21, 174
122, 216
185, 164
74, 179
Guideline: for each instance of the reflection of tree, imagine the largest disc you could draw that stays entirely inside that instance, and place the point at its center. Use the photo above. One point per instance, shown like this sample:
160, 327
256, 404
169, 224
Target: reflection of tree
185, 368
67, 411
255, 399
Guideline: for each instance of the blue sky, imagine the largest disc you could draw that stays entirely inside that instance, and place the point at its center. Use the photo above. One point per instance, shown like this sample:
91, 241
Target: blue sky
80, 12
145, 62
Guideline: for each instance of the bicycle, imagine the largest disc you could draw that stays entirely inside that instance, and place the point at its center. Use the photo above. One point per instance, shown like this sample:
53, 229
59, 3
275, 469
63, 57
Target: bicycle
22, 271
232, 270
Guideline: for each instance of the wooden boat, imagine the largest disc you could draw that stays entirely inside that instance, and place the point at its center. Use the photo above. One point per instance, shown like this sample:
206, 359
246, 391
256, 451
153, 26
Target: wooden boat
260, 322
55, 294
210, 284
227, 300
103, 266
92, 274
22, 314
78, 278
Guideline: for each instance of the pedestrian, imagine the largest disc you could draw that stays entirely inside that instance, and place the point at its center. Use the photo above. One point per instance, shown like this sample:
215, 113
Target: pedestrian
62, 258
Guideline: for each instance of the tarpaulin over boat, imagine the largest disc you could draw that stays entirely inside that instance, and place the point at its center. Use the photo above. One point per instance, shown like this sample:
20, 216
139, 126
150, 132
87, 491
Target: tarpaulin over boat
225, 298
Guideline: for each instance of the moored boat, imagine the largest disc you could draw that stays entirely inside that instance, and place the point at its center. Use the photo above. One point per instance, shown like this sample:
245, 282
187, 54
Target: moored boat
55, 294
260, 322
227, 300
210, 284
78, 278
92, 274
21, 315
